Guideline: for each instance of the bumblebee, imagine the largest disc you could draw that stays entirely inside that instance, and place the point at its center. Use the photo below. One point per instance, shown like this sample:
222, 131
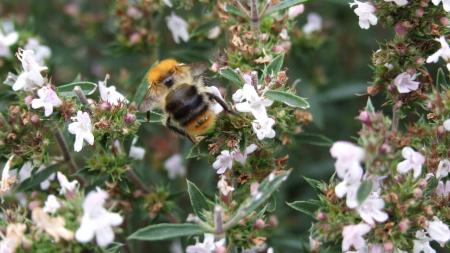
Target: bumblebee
178, 89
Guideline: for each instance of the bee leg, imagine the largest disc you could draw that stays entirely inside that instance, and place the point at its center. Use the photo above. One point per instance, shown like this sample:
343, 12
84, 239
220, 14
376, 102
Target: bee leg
178, 130
221, 102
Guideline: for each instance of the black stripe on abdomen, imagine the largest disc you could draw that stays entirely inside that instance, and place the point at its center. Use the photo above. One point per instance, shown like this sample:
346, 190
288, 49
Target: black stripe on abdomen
185, 104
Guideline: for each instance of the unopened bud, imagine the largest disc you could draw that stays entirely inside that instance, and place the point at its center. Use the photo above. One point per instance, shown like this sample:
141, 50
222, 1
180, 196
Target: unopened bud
130, 118
418, 193
444, 21
259, 224
400, 29
28, 100
273, 221
364, 117
321, 216
420, 12
423, 183
105, 106
135, 38
440, 130
403, 226
385, 148
34, 119
429, 210
388, 246
220, 249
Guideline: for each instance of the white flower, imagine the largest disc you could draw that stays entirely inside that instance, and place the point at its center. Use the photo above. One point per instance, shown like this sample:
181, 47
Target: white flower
46, 183
242, 157
7, 180
223, 162
283, 35
207, 246
313, 24
25, 171
248, 100
47, 99
214, 32
422, 243
82, 129
413, 161
136, 152
447, 125
109, 94
398, 2
445, 3
53, 226
350, 189
296, 10
97, 221
443, 168
443, 52
348, 158
175, 167
366, 14
270, 250
66, 186
263, 128
443, 189
41, 52
216, 107
179, 28
353, 236
51, 204
31, 76
175, 247
223, 186
438, 231
372, 210
168, 3
6, 40
405, 83
15, 237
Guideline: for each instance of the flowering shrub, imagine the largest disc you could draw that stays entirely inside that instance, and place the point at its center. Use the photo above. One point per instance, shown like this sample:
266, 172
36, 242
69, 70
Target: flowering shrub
86, 171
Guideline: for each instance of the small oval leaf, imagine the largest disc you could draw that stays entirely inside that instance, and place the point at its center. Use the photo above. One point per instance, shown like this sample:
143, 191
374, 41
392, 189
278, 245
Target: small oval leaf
275, 65
364, 191
287, 98
166, 231
66, 90
198, 200
232, 76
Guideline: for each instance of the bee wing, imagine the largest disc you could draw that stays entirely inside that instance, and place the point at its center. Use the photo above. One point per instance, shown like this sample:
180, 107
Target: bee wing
197, 69
148, 103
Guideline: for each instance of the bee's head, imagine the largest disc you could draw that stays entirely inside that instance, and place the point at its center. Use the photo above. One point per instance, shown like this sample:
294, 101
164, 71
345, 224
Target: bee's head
162, 75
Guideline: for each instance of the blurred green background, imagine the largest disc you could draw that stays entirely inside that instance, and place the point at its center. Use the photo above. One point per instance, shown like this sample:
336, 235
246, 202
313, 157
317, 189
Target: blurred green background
332, 65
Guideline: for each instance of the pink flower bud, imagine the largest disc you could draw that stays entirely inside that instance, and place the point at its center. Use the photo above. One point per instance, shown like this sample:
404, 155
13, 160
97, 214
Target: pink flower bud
28, 100
273, 221
105, 106
130, 118
215, 67
321, 216
296, 10
259, 224
135, 38
400, 29
444, 21
418, 193
220, 249
403, 225
385, 148
364, 117
440, 130
419, 12
35, 119
388, 246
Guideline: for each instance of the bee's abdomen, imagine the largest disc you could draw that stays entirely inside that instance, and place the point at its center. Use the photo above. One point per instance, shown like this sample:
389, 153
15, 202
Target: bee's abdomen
185, 104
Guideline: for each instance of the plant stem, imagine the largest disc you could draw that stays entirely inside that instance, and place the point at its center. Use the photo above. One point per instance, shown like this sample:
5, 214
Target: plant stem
254, 16
66, 153
395, 119
82, 97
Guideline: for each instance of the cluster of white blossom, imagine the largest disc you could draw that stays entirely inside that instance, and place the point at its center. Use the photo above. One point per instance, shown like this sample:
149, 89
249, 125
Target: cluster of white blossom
225, 160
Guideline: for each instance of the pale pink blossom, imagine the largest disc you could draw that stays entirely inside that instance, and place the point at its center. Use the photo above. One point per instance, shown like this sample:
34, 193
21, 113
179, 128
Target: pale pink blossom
209, 245
366, 13
405, 83
371, 210
443, 52
296, 10
51, 204
313, 23
447, 125
82, 129
438, 231
445, 4
443, 189
443, 168
353, 236
413, 161
178, 27
348, 160
422, 243
224, 187
66, 185
175, 167
31, 76
398, 2
47, 99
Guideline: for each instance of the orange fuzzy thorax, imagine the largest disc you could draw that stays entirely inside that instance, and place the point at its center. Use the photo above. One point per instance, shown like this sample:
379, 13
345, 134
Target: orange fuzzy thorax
157, 73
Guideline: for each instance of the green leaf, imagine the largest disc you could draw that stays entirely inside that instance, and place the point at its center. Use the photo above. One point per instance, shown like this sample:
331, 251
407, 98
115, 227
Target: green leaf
141, 91
441, 79
265, 189
316, 184
363, 191
315, 139
232, 76
234, 10
166, 231
37, 178
275, 65
283, 5
431, 186
66, 90
369, 106
287, 98
203, 29
308, 207
199, 202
